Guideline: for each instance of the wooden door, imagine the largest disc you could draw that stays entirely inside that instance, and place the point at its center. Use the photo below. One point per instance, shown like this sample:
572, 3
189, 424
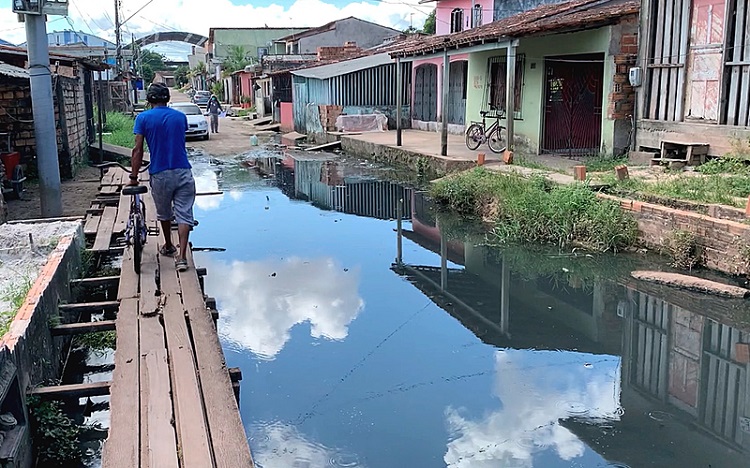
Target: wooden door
300, 105
425, 93
456, 106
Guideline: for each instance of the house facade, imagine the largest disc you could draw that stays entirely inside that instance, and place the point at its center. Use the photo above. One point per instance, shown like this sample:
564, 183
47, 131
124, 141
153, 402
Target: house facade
571, 93
696, 74
336, 33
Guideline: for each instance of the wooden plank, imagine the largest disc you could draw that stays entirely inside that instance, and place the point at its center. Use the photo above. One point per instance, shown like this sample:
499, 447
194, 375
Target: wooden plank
149, 300
190, 420
91, 225
710, 407
95, 282
682, 58
735, 84
641, 353
721, 393
80, 328
726, 335
104, 234
158, 436
123, 213
72, 390
742, 401
669, 54
648, 358
228, 437
89, 306
129, 280
658, 95
730, 416
742, 113
325, 146
122, 447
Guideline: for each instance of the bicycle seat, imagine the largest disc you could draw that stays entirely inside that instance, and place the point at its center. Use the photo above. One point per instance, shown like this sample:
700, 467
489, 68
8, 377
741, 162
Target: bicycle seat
483, 113
135, 190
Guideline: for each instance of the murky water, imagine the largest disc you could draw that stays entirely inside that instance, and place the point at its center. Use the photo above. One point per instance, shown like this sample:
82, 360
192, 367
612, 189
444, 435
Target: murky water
460, 354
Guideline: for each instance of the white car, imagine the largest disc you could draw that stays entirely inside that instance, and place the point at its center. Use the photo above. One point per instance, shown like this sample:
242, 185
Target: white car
197, 124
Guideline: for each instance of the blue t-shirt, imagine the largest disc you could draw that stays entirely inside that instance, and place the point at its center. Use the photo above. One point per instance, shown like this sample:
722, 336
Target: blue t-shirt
164, 130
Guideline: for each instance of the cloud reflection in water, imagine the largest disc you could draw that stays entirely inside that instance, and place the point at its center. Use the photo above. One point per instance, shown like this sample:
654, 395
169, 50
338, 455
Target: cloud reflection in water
262, 300
535, 396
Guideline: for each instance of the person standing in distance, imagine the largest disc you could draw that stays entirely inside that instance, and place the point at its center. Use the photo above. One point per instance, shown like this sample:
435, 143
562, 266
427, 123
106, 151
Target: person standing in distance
214, 108
172, 183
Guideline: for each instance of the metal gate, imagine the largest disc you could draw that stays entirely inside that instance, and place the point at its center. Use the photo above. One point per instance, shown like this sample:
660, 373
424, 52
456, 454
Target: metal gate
425, 93
456, 106
299, 106
573, 104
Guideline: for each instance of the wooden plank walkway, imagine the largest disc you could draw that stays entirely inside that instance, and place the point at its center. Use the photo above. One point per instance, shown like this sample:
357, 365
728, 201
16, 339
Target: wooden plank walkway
172, 402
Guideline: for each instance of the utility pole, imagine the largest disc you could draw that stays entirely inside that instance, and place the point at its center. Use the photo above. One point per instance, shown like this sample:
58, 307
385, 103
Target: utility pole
43, 107
118, 42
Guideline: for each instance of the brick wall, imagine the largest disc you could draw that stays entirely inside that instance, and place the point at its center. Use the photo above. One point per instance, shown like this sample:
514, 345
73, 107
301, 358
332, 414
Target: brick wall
16, 118
348, 50
622, 97
328, 116
724, 243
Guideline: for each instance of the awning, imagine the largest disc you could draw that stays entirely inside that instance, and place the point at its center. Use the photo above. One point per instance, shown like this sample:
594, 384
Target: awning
344, 67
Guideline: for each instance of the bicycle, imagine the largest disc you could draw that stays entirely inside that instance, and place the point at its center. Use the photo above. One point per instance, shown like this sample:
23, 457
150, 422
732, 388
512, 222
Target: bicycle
136, 231
477, 133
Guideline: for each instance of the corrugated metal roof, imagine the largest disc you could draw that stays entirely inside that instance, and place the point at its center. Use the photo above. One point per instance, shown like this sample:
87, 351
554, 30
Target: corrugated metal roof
342, 68
13, 71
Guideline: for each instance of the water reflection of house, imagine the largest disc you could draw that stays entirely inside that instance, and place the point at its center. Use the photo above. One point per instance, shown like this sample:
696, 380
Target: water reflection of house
331, 185
685, 388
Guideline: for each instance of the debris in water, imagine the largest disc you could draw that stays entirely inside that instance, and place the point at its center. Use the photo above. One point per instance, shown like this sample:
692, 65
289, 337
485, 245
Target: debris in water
273, 275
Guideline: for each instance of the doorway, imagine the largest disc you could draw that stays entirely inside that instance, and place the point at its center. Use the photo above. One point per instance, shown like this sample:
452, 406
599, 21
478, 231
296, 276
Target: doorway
425, 93
573, 104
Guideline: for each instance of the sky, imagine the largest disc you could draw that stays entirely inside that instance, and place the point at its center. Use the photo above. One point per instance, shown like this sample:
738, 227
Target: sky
197, 16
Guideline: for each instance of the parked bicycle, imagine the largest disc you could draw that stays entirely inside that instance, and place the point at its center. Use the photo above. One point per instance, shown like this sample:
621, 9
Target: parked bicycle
494, 136
136, 231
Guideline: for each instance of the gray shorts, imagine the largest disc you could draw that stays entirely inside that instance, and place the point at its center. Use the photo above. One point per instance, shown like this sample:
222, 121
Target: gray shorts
174, 194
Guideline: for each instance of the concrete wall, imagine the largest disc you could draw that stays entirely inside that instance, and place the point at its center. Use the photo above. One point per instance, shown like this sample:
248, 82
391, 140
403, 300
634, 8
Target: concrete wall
506, 8
29, 354
530, 125
287, 116
364, 33
72, 131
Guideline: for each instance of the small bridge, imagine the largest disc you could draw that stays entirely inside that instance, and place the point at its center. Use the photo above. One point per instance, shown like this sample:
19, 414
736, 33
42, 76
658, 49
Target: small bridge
172, 36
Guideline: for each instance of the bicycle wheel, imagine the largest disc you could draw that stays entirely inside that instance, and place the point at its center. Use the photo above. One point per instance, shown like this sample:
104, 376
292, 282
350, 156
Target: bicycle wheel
137, 243
474, 135
496, 140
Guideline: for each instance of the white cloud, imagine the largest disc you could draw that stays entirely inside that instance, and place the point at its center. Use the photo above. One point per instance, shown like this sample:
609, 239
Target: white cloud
279, 445
207, 181
262, 301
533, 400
197, 16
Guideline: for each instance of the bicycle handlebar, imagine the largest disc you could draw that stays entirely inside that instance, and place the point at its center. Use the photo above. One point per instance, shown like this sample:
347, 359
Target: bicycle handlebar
144, 167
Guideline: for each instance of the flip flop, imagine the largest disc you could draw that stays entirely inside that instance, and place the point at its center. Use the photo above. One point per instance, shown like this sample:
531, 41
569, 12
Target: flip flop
168, 252
182, 265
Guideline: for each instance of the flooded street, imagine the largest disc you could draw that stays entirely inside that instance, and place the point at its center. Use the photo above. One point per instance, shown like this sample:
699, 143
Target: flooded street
460, 355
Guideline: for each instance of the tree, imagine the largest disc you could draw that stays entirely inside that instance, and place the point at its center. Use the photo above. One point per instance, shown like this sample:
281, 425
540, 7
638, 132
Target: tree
181, 75
237, 60
429, 23
151, 62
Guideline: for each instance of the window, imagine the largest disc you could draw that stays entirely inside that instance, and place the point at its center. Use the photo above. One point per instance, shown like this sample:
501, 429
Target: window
457, 20
476, 16
495, 96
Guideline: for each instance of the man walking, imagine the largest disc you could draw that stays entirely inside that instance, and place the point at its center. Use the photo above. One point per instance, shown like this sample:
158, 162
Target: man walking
214, 108
172, 183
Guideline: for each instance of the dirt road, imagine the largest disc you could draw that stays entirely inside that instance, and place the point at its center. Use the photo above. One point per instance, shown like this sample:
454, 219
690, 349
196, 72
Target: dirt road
233, 137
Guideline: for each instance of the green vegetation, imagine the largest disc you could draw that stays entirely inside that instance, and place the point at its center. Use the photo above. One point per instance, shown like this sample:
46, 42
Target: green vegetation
15, 296
120, 129
218, 89
525, 161
54, 435
237, 60
151, 62
429, 23
181, 75
604, 163
97, 342
682, 248
534, 211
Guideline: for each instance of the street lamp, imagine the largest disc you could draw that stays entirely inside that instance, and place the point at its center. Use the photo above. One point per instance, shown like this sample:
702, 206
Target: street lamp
41, 7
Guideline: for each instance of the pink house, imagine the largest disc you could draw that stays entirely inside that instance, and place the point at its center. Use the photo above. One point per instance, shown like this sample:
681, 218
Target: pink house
451, 16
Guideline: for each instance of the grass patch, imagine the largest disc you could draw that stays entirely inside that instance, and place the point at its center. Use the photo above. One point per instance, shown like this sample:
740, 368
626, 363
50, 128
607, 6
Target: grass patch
683, 249
525, 161
15, 296
534, 211
603, 163
120, 129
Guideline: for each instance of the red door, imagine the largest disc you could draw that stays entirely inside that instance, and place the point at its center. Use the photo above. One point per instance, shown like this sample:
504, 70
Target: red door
573, 104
